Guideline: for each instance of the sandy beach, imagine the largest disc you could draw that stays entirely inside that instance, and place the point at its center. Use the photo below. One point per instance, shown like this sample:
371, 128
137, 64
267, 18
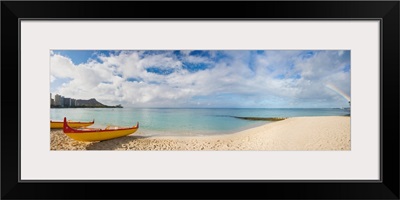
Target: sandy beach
298, 133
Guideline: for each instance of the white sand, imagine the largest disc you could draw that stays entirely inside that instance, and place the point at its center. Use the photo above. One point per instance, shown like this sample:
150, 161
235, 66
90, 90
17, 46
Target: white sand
298, 133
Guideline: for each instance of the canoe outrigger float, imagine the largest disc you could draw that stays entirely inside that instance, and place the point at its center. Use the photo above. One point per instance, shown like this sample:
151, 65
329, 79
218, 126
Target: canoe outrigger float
97, 134
72, 124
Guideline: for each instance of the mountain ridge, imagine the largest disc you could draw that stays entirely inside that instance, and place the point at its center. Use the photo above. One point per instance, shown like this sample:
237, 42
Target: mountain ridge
88, 103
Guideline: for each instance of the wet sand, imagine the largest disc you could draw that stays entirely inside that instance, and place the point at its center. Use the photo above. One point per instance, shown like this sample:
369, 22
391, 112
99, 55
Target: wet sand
297, 133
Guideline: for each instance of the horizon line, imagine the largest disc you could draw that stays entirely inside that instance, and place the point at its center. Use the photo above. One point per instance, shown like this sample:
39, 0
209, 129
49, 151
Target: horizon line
236, 107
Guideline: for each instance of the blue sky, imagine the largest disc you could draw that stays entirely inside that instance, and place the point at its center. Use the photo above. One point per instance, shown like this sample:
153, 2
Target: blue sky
202, 78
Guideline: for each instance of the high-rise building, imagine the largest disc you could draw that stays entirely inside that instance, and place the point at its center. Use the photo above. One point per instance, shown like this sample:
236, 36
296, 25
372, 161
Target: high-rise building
57, 100
67, 102
73, 102
62, 101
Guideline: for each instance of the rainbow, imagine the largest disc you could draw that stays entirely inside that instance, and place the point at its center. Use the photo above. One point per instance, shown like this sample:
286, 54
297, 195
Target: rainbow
337, 90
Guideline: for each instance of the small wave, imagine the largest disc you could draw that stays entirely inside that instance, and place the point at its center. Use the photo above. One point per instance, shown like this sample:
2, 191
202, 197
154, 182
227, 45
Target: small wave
261, 118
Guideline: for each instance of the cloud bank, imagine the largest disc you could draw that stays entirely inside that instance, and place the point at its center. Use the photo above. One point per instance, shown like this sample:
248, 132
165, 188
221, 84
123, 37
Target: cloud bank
261, 79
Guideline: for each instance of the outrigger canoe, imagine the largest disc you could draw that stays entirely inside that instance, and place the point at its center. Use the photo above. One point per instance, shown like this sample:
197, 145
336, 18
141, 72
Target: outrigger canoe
97, 134
72, 124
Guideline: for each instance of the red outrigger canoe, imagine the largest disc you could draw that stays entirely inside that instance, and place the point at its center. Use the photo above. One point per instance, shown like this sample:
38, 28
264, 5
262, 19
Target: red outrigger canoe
73, 124
97, 134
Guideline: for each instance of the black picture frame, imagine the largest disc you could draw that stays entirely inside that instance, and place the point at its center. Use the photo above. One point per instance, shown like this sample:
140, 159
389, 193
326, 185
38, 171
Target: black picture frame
385, 11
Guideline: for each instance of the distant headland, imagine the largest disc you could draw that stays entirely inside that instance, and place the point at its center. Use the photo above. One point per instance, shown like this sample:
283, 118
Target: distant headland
65, 102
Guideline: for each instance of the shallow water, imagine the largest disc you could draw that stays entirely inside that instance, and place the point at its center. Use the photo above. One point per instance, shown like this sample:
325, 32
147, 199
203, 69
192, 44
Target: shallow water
184, 121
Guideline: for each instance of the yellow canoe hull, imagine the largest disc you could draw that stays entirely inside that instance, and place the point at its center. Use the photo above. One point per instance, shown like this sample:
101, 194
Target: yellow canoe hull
101, 135
71, 124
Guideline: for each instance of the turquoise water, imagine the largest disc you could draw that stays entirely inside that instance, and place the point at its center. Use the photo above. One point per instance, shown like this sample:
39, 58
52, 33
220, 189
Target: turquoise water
183, 121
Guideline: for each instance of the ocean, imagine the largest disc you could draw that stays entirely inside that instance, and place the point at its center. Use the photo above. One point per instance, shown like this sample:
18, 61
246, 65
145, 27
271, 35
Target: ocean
185, 121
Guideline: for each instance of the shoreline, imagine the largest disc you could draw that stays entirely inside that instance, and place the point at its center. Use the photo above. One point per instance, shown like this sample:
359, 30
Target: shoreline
296, 133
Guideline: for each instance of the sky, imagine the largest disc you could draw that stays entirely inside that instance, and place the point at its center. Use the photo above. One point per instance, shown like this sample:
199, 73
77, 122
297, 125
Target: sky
204, 79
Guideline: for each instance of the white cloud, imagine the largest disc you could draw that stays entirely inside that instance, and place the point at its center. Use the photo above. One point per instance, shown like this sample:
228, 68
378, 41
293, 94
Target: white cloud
62, 67
186, 52
52, 78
